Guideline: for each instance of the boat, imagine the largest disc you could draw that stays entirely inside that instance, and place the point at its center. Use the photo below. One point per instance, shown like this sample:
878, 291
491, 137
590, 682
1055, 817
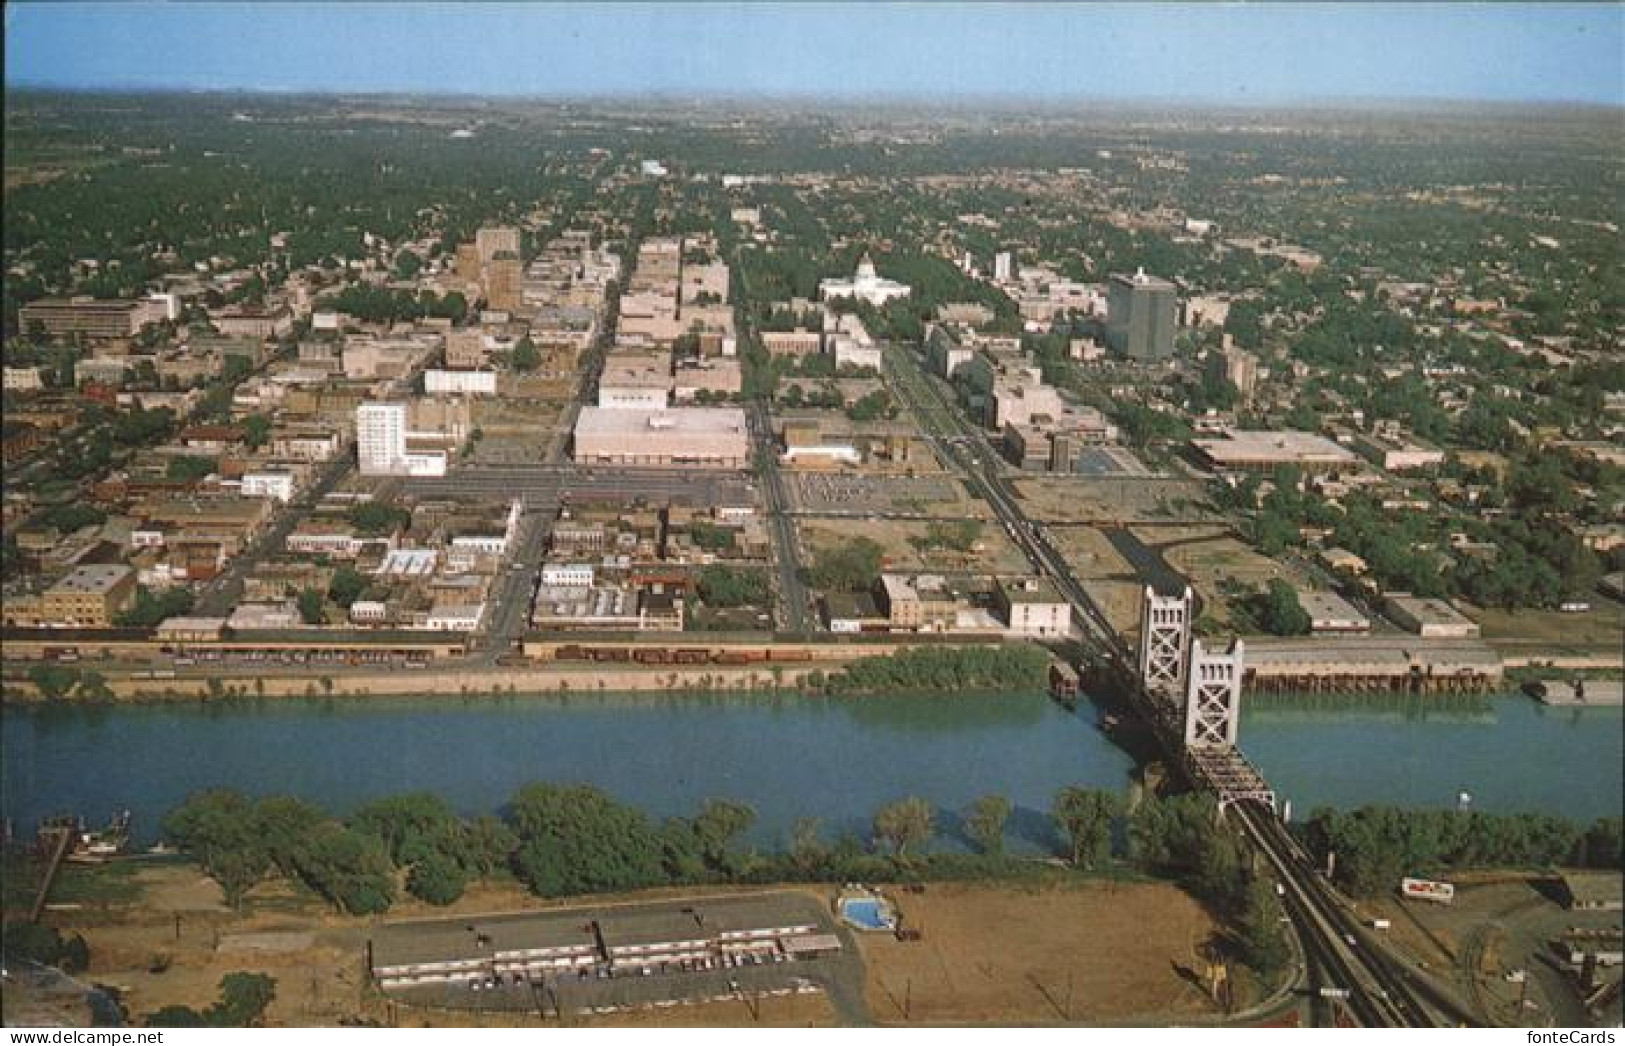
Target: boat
95, 847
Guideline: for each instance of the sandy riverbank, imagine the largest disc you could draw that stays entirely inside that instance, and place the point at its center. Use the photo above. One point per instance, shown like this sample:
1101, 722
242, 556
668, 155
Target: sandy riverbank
402, 682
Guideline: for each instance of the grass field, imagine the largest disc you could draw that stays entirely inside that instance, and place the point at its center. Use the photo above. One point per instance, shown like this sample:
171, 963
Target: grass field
900, 540
1091, 952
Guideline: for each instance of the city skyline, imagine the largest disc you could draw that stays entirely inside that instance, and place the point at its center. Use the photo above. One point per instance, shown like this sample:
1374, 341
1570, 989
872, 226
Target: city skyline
1225, 54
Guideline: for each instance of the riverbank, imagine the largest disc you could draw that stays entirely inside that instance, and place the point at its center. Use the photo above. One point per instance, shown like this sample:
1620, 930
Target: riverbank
468, 682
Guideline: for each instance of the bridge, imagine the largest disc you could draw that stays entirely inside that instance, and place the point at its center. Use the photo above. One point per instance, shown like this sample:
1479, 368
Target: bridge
1190, 696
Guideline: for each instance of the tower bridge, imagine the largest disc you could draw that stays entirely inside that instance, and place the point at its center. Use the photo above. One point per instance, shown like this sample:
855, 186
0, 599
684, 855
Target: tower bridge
1190, 694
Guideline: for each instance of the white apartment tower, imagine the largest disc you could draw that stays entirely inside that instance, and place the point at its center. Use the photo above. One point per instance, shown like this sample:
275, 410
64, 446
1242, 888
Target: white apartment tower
380, 444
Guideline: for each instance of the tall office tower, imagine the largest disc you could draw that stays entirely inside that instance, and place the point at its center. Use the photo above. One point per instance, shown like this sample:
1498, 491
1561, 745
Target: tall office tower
1141, 315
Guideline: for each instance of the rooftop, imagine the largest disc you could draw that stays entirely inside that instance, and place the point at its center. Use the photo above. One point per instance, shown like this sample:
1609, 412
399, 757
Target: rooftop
679, 421
96, 579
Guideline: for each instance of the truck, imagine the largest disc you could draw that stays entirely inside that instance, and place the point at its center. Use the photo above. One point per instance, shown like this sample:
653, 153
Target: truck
1427, 890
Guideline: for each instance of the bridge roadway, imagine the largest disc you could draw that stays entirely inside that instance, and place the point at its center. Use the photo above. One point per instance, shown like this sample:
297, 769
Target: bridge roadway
1340, 956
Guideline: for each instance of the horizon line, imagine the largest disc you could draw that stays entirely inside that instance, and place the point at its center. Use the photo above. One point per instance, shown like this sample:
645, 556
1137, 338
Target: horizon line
844, 98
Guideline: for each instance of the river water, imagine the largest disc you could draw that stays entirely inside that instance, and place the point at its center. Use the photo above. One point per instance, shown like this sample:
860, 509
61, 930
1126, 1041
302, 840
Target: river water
790, 757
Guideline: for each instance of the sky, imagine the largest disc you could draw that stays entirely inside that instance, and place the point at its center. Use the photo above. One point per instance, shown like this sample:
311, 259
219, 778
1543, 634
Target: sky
1226, 53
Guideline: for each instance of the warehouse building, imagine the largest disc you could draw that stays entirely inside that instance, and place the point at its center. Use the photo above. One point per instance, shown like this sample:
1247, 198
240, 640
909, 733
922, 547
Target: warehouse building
703, 437
1244, 450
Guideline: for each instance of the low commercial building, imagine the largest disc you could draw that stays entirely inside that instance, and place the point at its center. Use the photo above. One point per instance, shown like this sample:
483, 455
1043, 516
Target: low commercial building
277, 485
705, 437
90, 597
635, 381
1243, 450
461, 382
1033, 607
1594, 891
1429, 618
923, 603
799, 342
1330, 613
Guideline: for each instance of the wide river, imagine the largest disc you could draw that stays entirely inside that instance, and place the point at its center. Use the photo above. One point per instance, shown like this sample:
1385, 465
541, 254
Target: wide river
790, 757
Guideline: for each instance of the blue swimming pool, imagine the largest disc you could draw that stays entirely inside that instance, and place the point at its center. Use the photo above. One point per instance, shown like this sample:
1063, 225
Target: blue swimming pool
867, 914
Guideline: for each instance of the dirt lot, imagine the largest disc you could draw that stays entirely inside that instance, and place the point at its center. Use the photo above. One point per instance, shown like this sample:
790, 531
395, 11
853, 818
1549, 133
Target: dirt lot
847, 493
1119, 500
1091, 953
1207, 557
998, 554
1103, 572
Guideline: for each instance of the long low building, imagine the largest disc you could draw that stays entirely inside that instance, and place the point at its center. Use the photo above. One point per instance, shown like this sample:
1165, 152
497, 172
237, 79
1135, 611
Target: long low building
706, 437
1395, 663
1251, 450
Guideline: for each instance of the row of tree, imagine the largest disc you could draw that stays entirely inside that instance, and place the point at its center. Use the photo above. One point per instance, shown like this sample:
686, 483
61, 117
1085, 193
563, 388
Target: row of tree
560, 840
1376, 846
996, 667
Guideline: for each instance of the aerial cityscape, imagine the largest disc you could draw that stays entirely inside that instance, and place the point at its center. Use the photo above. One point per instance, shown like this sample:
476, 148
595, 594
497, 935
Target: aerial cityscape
718, 515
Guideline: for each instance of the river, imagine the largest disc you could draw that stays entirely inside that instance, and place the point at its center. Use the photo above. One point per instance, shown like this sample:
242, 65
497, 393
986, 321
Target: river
790, 757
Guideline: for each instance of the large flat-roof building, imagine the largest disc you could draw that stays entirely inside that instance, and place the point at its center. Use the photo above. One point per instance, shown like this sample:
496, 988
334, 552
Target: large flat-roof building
1141, 316
90, 318
1246, 450
705, 437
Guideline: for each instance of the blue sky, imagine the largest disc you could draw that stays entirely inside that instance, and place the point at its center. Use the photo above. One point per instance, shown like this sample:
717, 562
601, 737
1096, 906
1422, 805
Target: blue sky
1219, 52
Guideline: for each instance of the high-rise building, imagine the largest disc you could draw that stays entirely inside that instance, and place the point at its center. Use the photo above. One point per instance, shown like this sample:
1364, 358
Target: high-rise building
1141, 316
496, 240
380, 443
504, 278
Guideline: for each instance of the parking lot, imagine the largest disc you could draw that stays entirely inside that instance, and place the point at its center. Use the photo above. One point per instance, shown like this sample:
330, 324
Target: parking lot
839, 494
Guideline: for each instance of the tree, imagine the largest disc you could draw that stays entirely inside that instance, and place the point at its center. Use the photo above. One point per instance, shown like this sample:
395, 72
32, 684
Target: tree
1085, 817
525, 357
244, 998
849, 567
219, 829
349, 868
54, 682
437, 879
407, 264
374, 518
1259, 938
312, 607
1279, 611
575, 839
346, 586
985, 823
902, 824
716, 826
723, 586
256, 431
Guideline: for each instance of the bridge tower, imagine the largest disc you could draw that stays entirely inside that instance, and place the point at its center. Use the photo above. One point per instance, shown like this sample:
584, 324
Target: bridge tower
1213, 697
1165, 635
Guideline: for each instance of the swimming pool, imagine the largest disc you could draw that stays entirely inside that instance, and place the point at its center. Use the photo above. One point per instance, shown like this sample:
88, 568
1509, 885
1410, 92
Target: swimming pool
867, 913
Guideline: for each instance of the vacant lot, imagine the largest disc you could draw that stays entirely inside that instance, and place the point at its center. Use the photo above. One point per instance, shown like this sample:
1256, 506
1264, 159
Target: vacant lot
847, 493
903, 543
1109, 579
1602, 625
1092, 952
1124, 499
